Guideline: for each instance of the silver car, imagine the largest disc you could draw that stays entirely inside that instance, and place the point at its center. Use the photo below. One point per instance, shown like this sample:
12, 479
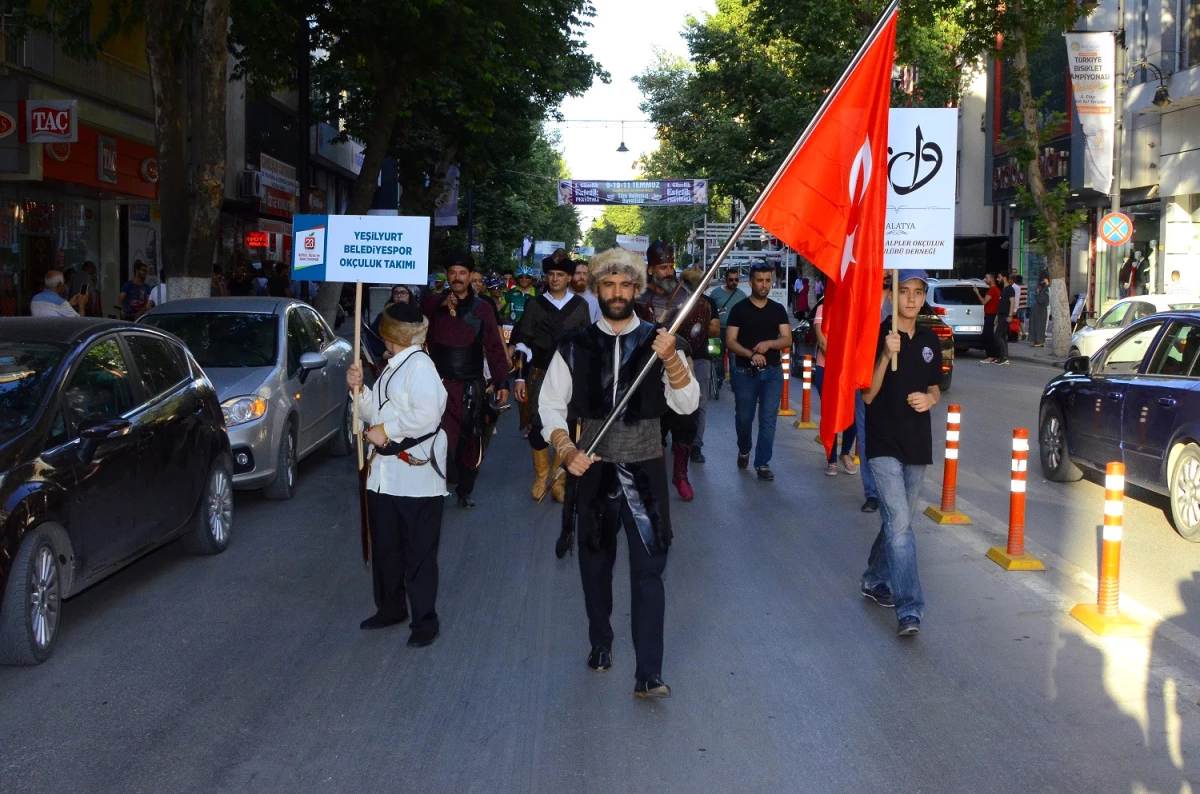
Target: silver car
280, 374
955, 301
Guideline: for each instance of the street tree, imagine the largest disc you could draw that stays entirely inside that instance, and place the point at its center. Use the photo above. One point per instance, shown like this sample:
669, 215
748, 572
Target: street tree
186, 48
457, 70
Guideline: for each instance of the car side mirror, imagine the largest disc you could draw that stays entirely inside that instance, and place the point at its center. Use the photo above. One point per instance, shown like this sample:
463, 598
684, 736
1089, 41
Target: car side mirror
311, 361
1079, 365
105, 429
1090, 322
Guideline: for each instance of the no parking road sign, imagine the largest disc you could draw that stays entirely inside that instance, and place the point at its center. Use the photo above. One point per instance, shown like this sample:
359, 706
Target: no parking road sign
1116, 228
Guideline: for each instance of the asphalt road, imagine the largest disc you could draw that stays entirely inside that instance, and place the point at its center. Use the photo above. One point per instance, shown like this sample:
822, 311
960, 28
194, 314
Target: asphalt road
247, 671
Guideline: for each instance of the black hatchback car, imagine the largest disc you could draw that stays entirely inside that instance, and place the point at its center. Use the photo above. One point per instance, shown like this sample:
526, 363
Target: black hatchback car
95, 417
1137, 402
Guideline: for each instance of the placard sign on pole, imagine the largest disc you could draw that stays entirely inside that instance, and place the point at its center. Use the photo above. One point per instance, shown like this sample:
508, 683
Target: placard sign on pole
922, 160
377, 249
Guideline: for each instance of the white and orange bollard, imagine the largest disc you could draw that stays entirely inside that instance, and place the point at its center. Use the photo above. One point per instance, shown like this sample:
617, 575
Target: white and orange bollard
805, 421
1014, 557
785, 408
948, 512
1104, 617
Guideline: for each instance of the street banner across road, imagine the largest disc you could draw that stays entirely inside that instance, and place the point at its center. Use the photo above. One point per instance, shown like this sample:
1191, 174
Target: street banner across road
643, 192
375, 249
1091, 59
922, 155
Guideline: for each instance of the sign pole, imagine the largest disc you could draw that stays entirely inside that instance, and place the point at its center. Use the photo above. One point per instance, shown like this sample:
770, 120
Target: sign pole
357, 360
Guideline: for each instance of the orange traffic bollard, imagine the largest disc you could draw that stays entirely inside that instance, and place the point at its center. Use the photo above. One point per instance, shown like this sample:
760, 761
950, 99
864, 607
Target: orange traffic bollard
948, 513
1014, 558
785, 409
805, 421
1104, 617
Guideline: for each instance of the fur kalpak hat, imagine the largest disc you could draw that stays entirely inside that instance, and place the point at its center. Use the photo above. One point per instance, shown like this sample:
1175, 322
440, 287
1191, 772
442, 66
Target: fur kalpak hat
617, 260
403, 324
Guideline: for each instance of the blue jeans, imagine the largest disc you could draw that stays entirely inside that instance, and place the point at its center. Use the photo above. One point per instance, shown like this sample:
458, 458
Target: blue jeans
761, 392
893, 560
860, 421
850, 432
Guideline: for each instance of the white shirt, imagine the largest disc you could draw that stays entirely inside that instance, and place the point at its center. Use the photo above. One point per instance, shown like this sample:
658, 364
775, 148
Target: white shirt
557, 386
159, 294
593, 304
412, 406
557, 303
49, 303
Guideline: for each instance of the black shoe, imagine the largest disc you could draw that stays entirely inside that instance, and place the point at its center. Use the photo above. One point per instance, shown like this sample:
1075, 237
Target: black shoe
466, 502
880, 595
652, 687
600, 659
871, 505
697, 455
382, 621
909, 627
764, 473
743, 460
420, 639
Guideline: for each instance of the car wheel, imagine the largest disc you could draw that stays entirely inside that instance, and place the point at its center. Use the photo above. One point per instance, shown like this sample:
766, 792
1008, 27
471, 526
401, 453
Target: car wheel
1185, 493
946, 379
284, 484
1052, 445
342, 443
213, 522
29, 615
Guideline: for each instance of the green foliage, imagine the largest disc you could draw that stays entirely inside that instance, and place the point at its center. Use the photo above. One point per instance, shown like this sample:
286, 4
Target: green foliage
616, 219
1053, 224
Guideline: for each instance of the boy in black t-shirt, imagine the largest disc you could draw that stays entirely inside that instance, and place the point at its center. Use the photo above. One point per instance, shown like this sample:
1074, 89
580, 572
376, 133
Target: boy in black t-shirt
899, 447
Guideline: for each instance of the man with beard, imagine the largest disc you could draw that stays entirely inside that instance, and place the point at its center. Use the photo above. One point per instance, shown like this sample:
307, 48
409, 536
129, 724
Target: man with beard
463, 332
547, 318
579, 285
660, 303
624, 484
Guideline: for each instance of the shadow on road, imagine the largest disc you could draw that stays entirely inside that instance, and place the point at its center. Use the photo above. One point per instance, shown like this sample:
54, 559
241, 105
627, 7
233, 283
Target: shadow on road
1165, 704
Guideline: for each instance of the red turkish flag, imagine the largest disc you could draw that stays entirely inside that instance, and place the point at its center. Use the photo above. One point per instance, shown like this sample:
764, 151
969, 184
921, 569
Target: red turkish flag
829, 205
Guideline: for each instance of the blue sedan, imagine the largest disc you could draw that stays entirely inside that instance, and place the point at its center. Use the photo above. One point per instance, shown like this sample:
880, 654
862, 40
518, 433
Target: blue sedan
1136, 401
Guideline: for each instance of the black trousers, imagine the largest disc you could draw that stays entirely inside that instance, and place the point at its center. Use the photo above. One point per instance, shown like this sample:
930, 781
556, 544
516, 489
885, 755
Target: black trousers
1000, 338
405, 531
647, 595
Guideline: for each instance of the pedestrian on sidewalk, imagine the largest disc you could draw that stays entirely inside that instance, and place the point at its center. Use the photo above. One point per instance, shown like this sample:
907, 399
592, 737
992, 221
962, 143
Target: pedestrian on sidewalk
623, 486
849, 433
1039, 310
758, 331
406, 481
899, 447
726, 297
1004, 315
1022, 306
990, 301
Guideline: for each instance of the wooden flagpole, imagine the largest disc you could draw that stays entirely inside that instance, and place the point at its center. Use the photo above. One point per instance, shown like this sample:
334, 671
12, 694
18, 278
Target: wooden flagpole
358, 360
895, 300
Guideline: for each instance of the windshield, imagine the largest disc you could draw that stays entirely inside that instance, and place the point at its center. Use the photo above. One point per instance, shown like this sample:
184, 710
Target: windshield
955, 296
219, 339
26, 371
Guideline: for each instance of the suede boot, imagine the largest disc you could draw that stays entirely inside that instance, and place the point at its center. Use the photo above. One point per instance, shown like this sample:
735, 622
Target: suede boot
558, 491
682, 453
541, 470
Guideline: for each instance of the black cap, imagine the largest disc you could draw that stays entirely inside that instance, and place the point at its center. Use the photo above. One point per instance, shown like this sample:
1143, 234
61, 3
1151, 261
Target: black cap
404, 313
554, 262
460, 259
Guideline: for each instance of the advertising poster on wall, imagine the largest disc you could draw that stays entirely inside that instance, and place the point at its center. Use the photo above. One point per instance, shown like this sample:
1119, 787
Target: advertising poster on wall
922, 160
144, 236
373, 249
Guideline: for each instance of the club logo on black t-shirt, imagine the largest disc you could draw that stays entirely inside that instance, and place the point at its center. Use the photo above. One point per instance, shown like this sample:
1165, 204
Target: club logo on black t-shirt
927, 354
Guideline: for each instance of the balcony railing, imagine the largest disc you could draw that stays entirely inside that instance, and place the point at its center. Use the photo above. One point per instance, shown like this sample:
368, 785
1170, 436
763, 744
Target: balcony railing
105, 77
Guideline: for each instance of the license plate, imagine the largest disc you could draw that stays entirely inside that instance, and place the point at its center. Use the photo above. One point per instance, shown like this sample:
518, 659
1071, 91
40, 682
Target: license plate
968, 329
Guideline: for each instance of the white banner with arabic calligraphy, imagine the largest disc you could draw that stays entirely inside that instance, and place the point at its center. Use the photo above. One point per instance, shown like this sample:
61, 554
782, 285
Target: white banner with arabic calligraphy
1091, 59
922, 159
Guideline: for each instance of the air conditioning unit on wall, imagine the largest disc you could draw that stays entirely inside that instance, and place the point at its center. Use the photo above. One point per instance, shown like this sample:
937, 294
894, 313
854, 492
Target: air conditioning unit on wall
250, 185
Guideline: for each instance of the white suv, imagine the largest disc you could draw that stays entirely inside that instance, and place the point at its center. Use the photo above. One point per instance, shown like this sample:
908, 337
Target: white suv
955, 301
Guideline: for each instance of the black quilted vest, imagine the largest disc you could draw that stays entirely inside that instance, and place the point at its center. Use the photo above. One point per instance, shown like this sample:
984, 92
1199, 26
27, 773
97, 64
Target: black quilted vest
590, 353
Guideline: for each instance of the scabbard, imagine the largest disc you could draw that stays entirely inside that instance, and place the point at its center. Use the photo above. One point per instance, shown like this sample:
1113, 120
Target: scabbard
570, 515
365, 518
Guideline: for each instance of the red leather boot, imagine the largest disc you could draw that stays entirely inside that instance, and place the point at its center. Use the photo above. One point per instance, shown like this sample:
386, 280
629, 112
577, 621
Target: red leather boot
682, 454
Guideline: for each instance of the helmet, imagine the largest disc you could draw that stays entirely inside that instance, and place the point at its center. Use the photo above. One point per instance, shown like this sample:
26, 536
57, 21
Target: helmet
525, 270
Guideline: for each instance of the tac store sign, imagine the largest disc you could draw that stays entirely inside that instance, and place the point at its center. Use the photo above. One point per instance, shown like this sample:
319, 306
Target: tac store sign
922, 156
374, 249
49, 120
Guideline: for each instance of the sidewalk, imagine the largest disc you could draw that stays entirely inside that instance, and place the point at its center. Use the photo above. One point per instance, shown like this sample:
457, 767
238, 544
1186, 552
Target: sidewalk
1020, 351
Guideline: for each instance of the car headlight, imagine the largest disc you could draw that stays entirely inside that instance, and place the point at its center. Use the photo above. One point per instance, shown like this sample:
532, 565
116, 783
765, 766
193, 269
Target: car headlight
240, 410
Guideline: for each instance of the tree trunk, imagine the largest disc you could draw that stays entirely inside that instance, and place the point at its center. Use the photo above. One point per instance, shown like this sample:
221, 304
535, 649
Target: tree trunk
376, 146
1047, 210
168, 72
212, 48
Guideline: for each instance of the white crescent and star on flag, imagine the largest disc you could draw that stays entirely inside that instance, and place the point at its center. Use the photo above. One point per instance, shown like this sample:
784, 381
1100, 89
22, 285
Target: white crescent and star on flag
860, 178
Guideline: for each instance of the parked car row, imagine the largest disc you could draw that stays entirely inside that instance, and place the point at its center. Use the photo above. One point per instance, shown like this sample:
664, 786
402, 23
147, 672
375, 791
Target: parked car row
198, 398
